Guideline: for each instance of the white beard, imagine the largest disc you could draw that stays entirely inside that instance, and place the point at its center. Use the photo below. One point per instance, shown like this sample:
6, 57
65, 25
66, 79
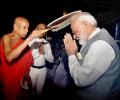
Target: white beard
82, 42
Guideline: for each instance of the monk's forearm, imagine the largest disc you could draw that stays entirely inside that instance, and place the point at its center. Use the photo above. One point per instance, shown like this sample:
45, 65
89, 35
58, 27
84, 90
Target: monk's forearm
17, 51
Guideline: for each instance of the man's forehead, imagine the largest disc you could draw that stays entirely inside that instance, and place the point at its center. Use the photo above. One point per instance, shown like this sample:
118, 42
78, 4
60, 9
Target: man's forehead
75, 17
74, 23
41, 26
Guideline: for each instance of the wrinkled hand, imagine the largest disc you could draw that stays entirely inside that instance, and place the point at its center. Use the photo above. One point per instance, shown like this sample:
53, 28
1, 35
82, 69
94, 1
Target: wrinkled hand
42, 32
70, 45
36, 34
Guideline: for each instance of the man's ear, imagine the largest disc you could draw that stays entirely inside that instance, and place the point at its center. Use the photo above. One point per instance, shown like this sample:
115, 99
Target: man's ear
85, 23
88, 25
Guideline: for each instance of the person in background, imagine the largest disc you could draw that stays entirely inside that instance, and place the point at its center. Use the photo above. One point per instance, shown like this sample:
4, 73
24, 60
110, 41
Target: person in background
64, 13
41, 51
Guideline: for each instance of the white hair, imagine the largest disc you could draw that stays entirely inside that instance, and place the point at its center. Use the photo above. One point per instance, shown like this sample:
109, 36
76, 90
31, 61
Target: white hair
87, 17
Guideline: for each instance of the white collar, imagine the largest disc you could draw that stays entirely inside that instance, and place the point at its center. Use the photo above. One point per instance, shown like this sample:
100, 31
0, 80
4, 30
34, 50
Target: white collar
96, 31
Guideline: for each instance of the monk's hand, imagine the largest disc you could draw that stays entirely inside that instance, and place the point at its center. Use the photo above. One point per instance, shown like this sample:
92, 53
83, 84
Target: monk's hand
37, 33
34, 34
42, 32
70, 45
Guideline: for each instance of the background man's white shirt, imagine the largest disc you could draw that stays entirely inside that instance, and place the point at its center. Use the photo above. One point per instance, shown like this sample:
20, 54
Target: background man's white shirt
39, 59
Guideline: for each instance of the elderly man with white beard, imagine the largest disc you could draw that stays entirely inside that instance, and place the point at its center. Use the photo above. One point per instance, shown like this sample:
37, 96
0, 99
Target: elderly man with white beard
96, 68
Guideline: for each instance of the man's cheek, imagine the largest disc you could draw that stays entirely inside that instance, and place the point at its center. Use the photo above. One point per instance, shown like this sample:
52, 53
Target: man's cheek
82, 36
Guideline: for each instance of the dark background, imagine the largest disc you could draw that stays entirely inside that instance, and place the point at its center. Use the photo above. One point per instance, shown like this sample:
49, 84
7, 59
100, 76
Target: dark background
107, 12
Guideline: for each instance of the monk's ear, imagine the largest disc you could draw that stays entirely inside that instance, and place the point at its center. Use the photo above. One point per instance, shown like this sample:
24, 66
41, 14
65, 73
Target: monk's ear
15, 27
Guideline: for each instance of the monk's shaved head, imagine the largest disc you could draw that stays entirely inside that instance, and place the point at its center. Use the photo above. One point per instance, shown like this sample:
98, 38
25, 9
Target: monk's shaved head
20, 19
21, 26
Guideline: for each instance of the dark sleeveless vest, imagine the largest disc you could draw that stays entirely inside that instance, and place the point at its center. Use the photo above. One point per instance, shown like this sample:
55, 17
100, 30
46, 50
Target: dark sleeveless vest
107, 87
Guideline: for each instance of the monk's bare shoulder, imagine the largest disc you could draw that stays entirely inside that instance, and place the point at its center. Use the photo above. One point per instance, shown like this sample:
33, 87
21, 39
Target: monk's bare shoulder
7, 42
6, 37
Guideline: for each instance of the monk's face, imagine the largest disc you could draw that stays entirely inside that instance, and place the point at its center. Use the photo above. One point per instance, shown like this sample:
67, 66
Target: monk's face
23, 28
